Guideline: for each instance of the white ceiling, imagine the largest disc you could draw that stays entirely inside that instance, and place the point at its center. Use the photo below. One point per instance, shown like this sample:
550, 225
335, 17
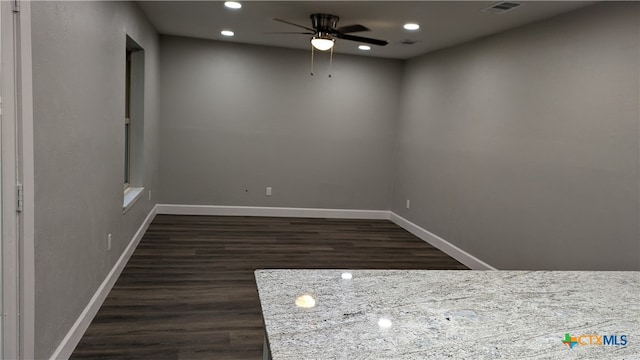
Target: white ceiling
443, 23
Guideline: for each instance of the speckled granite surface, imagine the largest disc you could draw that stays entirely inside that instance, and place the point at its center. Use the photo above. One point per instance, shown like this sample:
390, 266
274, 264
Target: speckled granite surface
415, 314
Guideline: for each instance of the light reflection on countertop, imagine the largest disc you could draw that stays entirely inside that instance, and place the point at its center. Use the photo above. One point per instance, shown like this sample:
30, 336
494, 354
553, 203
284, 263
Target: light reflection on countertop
415, 314
305, 301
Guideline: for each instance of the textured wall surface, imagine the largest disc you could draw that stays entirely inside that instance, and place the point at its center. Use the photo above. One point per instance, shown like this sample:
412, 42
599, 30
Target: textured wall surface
240, 117
78, 82
523, 148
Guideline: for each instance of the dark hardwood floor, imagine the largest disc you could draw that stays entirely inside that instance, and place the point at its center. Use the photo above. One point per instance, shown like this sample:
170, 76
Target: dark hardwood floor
188, 291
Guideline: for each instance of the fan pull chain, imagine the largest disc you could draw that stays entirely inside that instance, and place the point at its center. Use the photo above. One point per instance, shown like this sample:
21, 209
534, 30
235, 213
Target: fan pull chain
311, 60
330, 61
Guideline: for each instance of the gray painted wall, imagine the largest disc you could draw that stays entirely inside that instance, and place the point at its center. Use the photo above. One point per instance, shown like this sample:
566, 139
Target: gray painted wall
523, 148
240, 117
78, 82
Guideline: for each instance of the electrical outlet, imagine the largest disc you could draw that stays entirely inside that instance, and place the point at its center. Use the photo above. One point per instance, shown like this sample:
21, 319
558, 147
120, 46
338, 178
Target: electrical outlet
109, 242
268, 192
149, 194
408, 204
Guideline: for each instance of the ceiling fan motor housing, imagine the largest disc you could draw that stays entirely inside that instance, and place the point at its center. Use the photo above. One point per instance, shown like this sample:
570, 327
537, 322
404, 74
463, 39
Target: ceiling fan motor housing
324, 26
324, 23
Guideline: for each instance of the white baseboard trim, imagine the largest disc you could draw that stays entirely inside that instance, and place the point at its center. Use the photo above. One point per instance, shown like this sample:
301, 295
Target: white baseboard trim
443, 245
271, 211
71, 340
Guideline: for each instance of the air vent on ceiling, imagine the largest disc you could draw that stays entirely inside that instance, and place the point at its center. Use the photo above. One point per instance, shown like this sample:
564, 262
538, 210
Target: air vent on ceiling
501, 7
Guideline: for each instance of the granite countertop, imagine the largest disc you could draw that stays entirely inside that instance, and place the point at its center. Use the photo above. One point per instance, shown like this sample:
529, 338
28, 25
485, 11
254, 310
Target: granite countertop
416, 314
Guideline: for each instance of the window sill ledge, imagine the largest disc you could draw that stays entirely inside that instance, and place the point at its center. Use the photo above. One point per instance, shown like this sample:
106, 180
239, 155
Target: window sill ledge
131, 196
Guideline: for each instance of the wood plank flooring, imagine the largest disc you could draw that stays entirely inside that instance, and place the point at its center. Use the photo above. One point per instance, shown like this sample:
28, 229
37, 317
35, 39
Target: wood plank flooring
188, 291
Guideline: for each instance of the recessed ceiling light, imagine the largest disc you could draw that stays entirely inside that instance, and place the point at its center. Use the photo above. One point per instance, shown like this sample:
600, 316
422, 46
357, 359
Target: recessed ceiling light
411, 26
227, 33
364, 47
232, 4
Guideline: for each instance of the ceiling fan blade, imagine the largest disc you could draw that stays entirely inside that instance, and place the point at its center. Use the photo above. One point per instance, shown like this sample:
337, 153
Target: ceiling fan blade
362, 39
288, 32
294, 24
351, 29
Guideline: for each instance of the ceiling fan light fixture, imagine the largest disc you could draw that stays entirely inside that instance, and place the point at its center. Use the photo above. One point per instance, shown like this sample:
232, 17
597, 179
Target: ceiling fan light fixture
322, 43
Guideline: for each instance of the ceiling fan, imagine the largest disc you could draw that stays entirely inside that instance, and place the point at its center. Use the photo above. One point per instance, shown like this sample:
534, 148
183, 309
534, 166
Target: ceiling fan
324, 31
